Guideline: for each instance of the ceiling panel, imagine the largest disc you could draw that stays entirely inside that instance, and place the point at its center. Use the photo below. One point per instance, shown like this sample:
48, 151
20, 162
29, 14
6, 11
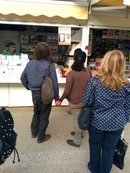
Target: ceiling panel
109, 3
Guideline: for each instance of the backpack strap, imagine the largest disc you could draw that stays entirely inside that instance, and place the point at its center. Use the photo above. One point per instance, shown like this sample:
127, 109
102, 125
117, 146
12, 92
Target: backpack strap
47, 72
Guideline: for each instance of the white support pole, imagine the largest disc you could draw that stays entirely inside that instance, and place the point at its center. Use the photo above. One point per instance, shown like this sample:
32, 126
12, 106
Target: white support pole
85, 40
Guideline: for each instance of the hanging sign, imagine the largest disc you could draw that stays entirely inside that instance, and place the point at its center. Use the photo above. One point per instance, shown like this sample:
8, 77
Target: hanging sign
64, 35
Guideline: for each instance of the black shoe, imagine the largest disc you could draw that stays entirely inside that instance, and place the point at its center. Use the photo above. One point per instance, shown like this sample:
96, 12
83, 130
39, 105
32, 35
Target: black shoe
69, 112
71, 142
89, 167
34, 136
47, 137
73, 133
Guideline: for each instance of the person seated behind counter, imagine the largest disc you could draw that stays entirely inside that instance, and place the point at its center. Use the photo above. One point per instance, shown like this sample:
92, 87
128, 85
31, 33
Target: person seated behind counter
11, 50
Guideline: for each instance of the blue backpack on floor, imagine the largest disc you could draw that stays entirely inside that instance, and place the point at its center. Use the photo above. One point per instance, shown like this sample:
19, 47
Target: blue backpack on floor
8, 136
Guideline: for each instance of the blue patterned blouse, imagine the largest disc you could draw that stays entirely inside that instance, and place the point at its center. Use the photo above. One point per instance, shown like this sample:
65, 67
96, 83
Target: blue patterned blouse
111, 109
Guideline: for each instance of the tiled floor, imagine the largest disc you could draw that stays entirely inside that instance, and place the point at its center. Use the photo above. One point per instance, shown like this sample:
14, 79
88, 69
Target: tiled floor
55, 155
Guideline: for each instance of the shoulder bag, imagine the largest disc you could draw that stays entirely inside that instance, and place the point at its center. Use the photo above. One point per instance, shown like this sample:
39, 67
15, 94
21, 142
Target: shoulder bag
84, 117
47, 90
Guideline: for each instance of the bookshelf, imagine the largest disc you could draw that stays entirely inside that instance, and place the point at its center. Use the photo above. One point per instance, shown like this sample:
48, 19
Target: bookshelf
29, 41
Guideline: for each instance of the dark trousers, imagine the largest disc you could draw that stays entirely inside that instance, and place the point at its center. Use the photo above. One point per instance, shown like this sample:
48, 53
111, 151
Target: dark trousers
102, 148
40, 120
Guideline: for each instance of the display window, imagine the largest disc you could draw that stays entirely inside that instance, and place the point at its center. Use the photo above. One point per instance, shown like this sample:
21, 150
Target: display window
25, 38
104, 40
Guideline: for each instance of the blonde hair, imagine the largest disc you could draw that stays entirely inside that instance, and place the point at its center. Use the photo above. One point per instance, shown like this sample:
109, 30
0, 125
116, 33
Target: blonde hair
112, 69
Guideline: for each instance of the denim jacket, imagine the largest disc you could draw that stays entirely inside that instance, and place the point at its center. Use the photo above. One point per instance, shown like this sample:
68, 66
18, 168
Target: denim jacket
34, 73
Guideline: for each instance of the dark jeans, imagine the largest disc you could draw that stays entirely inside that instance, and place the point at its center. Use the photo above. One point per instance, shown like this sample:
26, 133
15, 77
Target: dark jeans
102, 148
40, 120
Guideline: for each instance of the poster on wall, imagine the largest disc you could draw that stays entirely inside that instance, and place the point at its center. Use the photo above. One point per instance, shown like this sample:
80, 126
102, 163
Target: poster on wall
105, 33
123, 33
33, 38
117, 32
64, 35
110, 32
127, 33
24, 38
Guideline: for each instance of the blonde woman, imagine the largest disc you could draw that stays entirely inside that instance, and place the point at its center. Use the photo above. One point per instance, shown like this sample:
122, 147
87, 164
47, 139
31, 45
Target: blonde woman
111, 111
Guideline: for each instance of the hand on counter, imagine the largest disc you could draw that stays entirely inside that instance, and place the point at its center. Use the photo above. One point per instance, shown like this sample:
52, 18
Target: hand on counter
58, 103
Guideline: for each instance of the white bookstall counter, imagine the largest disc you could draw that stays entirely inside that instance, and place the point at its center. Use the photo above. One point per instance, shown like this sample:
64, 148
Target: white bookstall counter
13, 93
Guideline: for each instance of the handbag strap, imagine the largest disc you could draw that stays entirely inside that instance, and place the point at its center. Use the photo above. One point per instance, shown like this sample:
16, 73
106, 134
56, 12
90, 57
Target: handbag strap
92, 90
90, 72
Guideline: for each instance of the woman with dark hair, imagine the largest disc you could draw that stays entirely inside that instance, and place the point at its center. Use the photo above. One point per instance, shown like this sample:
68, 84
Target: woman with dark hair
35, 71
75, 52
76, 81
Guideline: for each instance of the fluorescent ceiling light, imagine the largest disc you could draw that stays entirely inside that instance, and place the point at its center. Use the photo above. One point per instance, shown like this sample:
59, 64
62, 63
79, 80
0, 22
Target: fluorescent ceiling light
63, 2
109, 8
126, 2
